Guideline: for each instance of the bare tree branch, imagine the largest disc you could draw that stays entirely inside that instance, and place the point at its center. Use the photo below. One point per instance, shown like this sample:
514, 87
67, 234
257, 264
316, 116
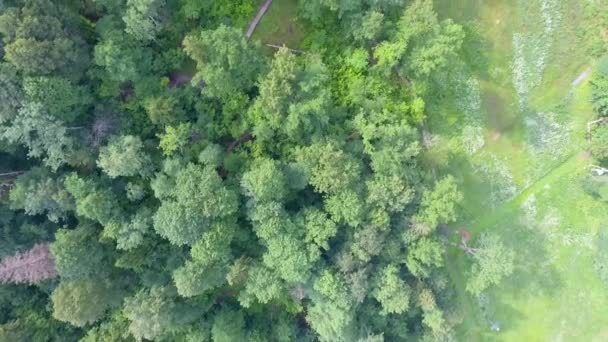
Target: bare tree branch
28, 267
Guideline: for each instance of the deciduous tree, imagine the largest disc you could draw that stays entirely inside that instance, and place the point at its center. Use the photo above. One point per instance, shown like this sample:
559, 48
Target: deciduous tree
143, 18
125, 156
93, 200
330, 315
265, 181
11, 93
198, 200
392, 292
122, 58
294, 100
492, 261
437, 206
80, 302
39, 192
154, 311
76, 253
58, 96
226, 62
45, 136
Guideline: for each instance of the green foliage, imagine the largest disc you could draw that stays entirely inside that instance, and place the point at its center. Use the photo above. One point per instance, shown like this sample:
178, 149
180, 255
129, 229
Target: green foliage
143, 18
438, 206
226, 62
77, 253
114, 330
165, 110
331, 169
291, 186
135, 191
152, 312
319, 228
11, 94
39, 192
424, 255
599, 88
433, 316
41, 57
209, 266
212, 156
37, 41
421, 44
331, 314
492, 262
93, 201
288, 256
389, 193
198, 200
262, 285
122, 59
294, 100
80, 302
58, 96
195, 278
124, 156
600, 259
346, 206
265, 181
175, 139
228, 325
371, 26
599, 142
130, 234
392, 292
45, 136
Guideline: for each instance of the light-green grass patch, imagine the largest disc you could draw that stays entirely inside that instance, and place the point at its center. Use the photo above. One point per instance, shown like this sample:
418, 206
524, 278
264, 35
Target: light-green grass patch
537, 146
280, 26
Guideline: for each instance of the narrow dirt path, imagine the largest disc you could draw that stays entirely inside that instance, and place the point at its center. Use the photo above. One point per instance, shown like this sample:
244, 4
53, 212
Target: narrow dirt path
583, 76
254, 23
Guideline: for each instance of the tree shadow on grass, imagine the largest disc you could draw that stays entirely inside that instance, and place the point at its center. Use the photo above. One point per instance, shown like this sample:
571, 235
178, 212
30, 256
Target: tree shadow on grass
534, 274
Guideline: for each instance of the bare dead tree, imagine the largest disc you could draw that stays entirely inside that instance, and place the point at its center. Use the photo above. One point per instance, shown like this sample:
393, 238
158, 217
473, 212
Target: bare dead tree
12, 173
465, 236
404, 80
296, 51
178, 78
103, 126
245, 137
7, 181
29, 267
298, 293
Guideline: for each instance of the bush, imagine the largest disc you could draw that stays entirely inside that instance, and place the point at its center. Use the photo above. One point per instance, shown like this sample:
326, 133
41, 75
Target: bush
599, 142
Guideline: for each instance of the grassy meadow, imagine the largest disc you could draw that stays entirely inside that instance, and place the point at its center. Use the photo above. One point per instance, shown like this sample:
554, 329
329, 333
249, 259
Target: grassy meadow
522, 180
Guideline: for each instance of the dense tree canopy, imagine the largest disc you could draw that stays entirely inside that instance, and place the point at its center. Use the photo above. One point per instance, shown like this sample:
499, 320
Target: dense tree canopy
187, 183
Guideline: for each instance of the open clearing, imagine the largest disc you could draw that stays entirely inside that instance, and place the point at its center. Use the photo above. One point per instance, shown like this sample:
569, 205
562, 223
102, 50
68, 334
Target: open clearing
522, 165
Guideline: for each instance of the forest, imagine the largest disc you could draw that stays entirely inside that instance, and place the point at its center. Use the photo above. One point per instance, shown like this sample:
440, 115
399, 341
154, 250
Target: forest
298, 170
